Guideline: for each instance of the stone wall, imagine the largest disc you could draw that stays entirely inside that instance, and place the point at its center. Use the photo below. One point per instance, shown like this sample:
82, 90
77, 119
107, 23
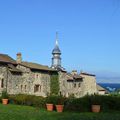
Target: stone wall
68, 88
77, 88
37, 82
14, 80
89, 84
27, 82
3, 77
36, 78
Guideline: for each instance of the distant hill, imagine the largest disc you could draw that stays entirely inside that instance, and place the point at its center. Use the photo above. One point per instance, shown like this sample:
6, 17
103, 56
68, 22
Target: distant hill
110, 86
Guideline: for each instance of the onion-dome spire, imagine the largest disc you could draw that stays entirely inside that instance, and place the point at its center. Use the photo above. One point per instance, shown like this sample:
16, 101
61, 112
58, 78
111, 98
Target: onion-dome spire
56, 50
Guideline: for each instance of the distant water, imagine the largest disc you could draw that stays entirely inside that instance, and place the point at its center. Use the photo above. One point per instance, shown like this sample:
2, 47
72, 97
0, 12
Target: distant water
110, 86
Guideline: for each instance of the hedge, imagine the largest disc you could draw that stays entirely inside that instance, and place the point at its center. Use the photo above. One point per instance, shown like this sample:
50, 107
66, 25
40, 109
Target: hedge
31, 100
108, 103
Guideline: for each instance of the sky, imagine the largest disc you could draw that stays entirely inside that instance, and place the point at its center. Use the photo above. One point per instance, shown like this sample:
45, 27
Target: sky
88, 32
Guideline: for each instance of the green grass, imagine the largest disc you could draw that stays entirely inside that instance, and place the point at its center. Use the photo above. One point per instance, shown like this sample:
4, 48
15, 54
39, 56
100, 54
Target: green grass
16, 112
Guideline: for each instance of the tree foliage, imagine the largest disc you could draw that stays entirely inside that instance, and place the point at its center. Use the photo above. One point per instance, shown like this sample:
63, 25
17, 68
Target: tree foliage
54, 84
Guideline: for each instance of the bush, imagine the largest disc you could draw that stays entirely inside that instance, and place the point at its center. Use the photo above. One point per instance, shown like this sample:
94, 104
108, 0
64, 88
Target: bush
95, 100
78, 104
4, 94
50, 99
108, 103
30, 100
59, 100
54, 99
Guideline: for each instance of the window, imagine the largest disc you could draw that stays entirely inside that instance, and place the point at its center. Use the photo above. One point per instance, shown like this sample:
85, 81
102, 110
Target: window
21, 87
40, 88
79, 84
36, 75
2, 83
74, 85
37, 88
25, 88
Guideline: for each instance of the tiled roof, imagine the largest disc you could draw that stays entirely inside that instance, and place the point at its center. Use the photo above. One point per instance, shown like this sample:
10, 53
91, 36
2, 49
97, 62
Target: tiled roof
83, 73
75, 76
13, 68
100, 88
36, 66
6, 59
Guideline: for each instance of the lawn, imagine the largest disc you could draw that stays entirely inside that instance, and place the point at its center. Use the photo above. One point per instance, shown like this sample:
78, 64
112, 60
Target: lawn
16, 112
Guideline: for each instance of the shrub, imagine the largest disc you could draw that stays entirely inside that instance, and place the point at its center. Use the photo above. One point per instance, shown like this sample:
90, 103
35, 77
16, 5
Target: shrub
38, 101
108, 103
50, 99
78, 104
59, 100
4, 94
95, 99
55, 99
31, 100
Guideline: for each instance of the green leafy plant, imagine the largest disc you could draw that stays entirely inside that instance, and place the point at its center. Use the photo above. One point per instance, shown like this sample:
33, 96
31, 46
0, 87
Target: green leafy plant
4, 94
50, 99
30, 100
95, 100
60, 100
54, 84
78, 104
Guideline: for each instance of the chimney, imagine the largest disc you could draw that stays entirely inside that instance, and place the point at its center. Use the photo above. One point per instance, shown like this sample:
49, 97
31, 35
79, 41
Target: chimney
19, 58
74, 72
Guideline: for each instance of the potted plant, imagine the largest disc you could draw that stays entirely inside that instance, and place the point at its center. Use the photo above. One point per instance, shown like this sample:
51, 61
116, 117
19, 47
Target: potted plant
95, 103
60, 103
4, 97
49, 103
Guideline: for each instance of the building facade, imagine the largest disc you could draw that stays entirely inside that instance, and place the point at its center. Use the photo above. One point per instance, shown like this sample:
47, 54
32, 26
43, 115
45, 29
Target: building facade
20, 77
77, 84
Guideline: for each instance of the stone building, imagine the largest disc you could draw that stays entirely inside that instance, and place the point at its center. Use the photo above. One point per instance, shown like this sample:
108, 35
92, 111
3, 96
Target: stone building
101, 90
72, 83
20, 77
77, 84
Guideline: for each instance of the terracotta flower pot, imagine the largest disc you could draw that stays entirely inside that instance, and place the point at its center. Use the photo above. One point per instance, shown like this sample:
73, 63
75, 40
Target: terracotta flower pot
96, 108
59, 108
49, 107
5, 101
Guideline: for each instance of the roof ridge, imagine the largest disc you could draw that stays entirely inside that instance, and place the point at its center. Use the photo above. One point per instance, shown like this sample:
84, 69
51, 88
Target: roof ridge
4, 54
7, 59
35, 63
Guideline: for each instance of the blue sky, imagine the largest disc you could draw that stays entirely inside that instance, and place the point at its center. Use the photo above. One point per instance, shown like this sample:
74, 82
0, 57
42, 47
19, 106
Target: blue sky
89, 33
